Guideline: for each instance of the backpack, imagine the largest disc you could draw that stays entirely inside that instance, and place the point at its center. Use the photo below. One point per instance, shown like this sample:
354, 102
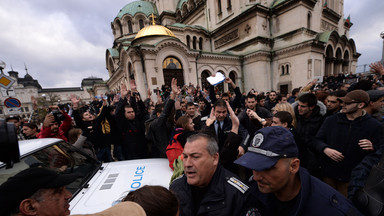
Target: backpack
148, 131
174, 148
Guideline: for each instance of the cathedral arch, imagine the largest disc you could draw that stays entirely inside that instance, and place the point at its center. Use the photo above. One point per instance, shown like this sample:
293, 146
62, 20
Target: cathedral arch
203, 78
131, 73
110, 66
233, 76
175, 49
184, 9
328, 60
120, 27
346, 61
172, 68
141, 23
337, 67
188, 41
130, 29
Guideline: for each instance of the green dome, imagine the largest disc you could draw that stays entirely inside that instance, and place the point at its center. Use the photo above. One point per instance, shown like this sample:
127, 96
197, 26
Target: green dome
135, 7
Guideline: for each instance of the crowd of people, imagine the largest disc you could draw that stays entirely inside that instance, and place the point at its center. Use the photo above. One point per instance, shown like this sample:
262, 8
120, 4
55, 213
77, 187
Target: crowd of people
308, 152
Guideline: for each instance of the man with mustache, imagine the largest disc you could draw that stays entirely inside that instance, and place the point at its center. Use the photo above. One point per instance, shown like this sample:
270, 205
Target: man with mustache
206, 188
36, 191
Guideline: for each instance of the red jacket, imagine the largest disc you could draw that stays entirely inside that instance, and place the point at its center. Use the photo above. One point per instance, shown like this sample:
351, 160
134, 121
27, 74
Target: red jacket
63, 129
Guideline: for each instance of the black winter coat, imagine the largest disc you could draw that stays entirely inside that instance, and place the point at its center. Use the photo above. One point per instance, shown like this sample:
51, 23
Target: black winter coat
343, 135
134, 144
222, 198
306, 129
160, 130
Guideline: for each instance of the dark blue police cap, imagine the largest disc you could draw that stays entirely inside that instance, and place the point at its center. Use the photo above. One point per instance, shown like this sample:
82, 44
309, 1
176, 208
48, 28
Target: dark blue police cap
267, 147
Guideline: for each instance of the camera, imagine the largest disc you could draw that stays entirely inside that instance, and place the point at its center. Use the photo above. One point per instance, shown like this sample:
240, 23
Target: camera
61, 106
58, 116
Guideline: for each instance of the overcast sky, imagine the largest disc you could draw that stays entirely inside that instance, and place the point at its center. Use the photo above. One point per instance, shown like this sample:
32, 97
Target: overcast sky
62, 42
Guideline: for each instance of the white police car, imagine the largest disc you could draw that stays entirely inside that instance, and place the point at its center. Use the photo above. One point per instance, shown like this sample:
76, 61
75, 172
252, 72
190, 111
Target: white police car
99, 186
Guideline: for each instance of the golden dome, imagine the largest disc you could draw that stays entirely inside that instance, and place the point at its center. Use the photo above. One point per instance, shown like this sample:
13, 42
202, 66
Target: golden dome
154, 30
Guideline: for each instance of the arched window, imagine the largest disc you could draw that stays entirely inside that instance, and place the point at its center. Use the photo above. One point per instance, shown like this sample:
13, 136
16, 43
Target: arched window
229, 4
120, 27
200, 43
172, 63
188, 41
141, 23
130, 72
328, 60
218, 7
287, 69
309, 16
204, 75
130, 30
110, 66
232, 75
172, 68
194, 42
282, 70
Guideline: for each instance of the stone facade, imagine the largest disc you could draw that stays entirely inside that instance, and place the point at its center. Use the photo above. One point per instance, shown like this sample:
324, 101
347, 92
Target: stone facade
261, 44
24, 88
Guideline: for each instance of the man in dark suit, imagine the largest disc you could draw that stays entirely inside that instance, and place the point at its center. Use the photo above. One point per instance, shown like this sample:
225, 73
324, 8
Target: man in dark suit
219, 123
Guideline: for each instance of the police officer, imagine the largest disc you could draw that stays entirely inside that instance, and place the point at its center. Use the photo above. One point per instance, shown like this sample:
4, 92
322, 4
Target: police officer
280, 186
206, 188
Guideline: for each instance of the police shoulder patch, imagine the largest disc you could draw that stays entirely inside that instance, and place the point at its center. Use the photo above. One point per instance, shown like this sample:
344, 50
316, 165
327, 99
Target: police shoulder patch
253, 212
239, 185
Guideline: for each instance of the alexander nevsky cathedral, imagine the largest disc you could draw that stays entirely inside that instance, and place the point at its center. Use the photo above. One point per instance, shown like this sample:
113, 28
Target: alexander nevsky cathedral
260, 44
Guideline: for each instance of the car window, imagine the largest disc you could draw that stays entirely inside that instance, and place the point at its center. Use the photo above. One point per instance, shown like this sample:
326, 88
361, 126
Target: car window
61, 157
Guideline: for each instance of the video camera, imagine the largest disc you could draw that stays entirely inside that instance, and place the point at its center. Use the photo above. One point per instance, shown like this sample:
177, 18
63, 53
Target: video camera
9, 146
58, 115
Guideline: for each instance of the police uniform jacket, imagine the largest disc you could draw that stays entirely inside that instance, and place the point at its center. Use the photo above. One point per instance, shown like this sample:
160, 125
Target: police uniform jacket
315, 198
226, 195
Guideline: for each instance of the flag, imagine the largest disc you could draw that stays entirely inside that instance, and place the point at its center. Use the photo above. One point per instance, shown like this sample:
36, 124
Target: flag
348, 20
325, 5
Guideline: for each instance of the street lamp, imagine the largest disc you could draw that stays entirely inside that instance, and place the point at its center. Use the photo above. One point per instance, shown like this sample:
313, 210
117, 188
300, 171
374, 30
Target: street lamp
382, 55
2, 66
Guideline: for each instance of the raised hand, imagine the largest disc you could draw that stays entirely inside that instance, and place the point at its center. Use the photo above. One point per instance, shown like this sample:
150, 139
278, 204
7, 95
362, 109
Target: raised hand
174, 88
174, 85
252, 114
149, 93
48, 120
75, 101
212, 118
228, 80
377, 68
133, 85
34, 102
123, 90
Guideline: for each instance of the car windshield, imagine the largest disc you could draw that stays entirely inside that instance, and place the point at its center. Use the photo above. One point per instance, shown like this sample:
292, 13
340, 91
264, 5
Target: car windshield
61, 157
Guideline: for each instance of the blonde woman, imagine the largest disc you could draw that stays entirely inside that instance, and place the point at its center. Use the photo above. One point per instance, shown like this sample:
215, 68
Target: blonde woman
285, 106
